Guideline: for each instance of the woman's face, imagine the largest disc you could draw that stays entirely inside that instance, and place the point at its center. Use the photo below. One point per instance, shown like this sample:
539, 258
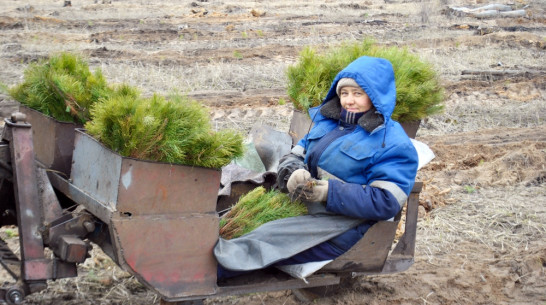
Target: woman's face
354, 99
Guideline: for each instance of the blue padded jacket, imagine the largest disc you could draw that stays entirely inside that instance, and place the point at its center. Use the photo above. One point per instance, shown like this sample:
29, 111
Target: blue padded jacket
370, 172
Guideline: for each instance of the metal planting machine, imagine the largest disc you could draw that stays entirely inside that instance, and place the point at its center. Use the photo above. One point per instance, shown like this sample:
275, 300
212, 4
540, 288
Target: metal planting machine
64, 190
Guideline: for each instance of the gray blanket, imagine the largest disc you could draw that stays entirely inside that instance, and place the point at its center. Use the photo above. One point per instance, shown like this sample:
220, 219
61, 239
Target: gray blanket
280, 239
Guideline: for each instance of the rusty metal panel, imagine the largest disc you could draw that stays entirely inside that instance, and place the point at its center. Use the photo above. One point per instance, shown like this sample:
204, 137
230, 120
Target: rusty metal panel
411, 128
299, 126
42, 269
71, 249
397, 263
51, 209
171, 254
75, 194
4, 152
369, 253
95, 169
26, 190
37, 269
148, 187
53, 140
163, 221
401, 258
141, 187
262, 281
406, 244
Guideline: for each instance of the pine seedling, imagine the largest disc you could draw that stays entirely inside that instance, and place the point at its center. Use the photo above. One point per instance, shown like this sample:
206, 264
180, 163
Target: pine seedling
211, 149
62, 87
418, 90
173, 129
257, 207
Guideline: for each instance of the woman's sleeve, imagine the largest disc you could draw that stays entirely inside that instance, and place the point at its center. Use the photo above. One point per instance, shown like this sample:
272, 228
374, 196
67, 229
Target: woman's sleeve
391, 179
288, 164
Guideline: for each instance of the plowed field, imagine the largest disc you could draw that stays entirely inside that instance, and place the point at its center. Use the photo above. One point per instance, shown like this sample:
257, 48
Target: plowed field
481, 235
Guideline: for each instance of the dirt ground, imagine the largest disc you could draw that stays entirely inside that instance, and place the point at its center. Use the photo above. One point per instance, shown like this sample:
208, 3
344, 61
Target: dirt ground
481, 234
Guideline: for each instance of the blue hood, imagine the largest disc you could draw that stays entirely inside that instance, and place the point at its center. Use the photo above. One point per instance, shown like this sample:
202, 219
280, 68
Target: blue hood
376, 77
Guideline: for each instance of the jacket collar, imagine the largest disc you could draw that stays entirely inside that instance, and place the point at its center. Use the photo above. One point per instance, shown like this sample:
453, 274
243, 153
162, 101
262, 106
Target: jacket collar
369, 121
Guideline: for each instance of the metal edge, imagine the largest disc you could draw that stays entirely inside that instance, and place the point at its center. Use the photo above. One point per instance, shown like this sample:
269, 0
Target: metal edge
23, 108
96, 208
292, 283
83, 132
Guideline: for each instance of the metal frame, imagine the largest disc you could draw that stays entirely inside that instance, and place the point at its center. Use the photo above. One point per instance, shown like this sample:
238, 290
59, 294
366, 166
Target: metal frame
372, 255
42, 222
32, 269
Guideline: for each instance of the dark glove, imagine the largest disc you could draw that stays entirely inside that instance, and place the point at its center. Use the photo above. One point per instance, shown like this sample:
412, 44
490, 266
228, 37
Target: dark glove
287, 165
311, 191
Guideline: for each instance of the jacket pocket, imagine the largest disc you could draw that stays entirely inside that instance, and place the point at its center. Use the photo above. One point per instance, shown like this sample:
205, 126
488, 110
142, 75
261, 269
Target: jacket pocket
358, 150
317, 132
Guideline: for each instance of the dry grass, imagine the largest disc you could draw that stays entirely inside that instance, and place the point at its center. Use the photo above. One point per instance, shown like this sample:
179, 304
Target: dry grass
213, 76
242, 120
496, 218
452, 60
99, 281
219, 75
465, 114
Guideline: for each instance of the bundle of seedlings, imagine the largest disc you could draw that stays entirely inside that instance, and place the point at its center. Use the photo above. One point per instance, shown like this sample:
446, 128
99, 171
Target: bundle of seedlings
418, 90
173, 129
62, 87
256, 208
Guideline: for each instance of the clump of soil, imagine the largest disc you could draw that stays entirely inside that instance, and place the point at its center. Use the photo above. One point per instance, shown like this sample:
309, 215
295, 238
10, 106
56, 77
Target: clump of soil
487, 161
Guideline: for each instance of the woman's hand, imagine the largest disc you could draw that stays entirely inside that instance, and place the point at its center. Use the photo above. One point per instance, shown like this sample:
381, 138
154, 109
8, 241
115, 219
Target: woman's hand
299, 176
301, 186
312, 191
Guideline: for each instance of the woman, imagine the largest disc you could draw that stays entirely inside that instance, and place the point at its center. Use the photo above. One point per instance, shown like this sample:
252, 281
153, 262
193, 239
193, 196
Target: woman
355, 160
355, 167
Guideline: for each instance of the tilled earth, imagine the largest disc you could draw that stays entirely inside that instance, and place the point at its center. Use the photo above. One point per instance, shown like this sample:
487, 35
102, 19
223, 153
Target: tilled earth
482, 226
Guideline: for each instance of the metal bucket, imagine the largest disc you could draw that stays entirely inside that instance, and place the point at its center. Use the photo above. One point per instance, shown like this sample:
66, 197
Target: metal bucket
53, 140
162, 217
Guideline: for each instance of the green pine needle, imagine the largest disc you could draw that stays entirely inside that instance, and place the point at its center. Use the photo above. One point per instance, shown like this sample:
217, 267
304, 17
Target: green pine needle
418, 90
257, 207
62, 87
173, 129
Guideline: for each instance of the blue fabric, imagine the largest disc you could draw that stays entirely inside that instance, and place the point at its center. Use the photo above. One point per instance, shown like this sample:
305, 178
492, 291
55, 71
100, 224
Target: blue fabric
376, 77
320, 252
368, 203
345, 241
361, 157
350, 117
223, 273
314, 156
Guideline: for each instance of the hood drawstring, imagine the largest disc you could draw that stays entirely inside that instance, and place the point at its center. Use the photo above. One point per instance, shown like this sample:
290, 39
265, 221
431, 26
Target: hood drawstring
309, 130
384, 134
